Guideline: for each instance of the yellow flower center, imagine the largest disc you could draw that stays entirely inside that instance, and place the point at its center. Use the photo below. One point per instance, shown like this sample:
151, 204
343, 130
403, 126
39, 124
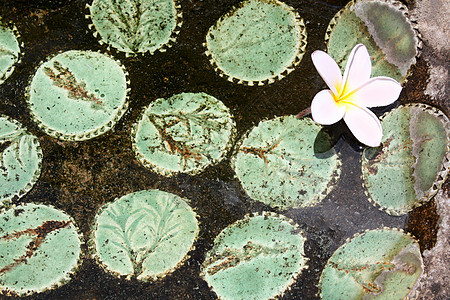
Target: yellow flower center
344, 95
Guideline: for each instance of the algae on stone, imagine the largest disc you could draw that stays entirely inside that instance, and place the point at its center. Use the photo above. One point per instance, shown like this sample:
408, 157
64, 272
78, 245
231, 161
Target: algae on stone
378, 264
287, 163
413, 162
9, 51
20, 160
144, 235
40, 248
184, 133
78, 95
136, 26
381, 25
257, 42
257, 257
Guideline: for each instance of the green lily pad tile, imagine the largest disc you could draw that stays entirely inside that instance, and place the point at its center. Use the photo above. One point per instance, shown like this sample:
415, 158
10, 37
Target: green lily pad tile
383, 26
20, 160
9, 51
258, 42
414, 159
184, 133
78, 95
136, 26
287, 163
257, 257
40, 248
144, 235
378, 264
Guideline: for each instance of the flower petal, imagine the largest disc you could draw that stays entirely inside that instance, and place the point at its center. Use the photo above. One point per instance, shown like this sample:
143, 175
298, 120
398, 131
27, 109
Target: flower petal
328, 69
358, 68
378, 91
364, 125
325, 110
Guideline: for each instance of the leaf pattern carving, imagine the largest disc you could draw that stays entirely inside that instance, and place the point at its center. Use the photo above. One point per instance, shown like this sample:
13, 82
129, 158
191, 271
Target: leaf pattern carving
230, 258
38, 235
136, 25
9, 51
6, 52
18, 155
245, 38
180, 131
63, 78
139, 231
287, 163
283, 162
358, 273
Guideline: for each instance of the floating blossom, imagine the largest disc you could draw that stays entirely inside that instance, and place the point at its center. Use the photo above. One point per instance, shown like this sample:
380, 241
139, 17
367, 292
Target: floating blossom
349, 96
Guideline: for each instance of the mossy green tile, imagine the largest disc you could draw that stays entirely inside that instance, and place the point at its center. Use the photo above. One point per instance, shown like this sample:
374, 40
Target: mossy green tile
184, 133
40, 248
136, 26
412, 163
257, 257
287, 163
257, 42
144, 235
378, 264
384, 28
10, 52
78, 95
21, 157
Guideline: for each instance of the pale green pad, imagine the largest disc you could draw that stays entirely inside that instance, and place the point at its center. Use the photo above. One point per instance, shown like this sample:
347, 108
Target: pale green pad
287, 163
255, 258
145, 234
384, 29
258, 40
378, 264
20, 164
40, 248
184, 133
135, 26
411, 166
78, 95
9, 52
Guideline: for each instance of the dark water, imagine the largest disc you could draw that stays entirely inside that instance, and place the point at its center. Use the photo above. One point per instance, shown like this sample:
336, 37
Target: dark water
79, 177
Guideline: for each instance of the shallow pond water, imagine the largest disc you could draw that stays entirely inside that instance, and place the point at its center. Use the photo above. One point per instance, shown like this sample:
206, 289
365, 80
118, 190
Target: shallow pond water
79, 177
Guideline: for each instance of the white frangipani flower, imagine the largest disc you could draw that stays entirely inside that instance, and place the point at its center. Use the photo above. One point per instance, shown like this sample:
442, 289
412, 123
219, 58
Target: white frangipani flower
349, 96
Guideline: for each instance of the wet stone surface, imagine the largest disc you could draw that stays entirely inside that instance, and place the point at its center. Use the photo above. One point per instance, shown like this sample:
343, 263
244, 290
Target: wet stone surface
80, 177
